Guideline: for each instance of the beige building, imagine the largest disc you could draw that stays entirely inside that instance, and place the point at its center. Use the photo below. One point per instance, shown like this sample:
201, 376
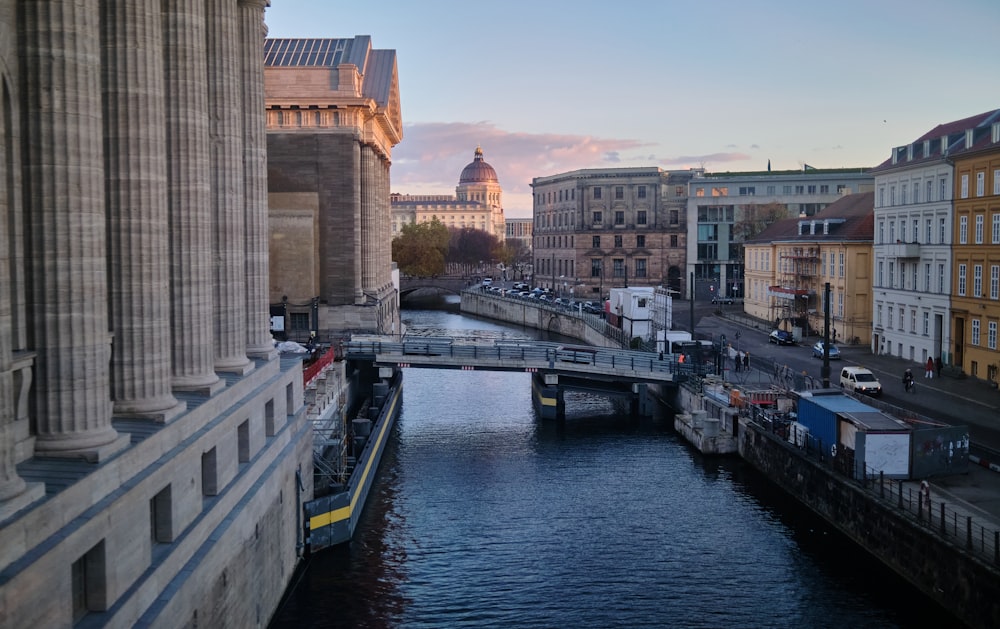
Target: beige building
333, 116
598, 229
150, 438
975, 297
790, 262
477, 204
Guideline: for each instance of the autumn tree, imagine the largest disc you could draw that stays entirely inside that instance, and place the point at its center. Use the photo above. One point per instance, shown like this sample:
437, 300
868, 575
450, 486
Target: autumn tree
468, 245
420, 248
755, 217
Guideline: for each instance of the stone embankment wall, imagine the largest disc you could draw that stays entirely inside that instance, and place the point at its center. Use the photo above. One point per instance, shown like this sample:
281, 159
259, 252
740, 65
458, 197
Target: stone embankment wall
936, 565
523, 313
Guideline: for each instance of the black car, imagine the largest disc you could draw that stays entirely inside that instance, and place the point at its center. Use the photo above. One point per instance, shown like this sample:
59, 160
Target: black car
781, 337
722, 300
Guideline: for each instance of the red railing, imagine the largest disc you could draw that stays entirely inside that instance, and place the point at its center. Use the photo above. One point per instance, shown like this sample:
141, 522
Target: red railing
310, 372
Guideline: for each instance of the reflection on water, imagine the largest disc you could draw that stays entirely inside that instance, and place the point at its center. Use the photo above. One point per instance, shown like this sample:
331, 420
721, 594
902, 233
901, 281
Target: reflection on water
486, 516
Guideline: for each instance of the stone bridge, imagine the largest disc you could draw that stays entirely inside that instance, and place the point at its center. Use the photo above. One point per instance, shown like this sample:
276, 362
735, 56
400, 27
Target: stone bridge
441, 283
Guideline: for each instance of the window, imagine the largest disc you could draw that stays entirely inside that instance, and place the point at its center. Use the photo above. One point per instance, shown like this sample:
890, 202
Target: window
943, 189
747, 191
673, 240
913, 321
980, 183
942, 226
975, 332
881, 197
640, 217
963, 230
598, 218
930, 189
916, 230
880, 275
996, 228
618, 267
927, 324
995, 281
840, 264
641, 192
927, 277
977, 280
618, 242
881, 232
679, 191
991, 335
927, 230
812, 189
996, 181
640, 267
299, 322
619, 192
892, 231
892, 195
595, 267
888, 320
961, 280
965, 186
878, 315
89, 582
902, 229
892, 274
640, 240
161, 521
708, 251
800, 189
673, 217
979, 229
940, 278
619, 217
902, 318
597, 193
243, 442
824, 189
840, 304
831, 264
916, 193
902, 194
596, 242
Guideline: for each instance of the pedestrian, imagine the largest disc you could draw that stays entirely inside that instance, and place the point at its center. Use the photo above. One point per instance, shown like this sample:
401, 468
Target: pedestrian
739, 360
929, 368
746, 361
937, 363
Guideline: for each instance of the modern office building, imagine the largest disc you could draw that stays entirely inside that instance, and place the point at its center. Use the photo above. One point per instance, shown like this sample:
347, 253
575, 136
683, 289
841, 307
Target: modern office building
333, 116
150, 437
477, 204
790, 262
725, 209
598, 229
975, 294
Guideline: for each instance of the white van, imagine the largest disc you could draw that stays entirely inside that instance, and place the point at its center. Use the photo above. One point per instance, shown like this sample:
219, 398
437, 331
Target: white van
860, 380
487, 281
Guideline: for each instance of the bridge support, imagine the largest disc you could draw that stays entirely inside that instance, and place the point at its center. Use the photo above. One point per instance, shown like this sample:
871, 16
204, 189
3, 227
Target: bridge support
548, 397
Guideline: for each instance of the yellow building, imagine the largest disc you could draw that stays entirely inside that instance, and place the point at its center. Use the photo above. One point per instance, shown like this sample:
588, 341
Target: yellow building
789, 263
975, 282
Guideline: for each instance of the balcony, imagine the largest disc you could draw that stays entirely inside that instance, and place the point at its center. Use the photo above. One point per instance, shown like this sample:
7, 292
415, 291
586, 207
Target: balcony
903, 250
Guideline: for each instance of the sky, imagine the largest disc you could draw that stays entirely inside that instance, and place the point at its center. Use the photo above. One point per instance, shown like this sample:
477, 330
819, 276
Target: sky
551, 86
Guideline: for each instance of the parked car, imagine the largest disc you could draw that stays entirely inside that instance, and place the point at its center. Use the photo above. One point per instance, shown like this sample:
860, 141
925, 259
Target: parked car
818, 351
781, 337
722, 300
860, 380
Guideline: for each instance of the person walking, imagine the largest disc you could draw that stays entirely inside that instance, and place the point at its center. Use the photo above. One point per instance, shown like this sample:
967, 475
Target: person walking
739, 360
937, 363
929, 368
746, 361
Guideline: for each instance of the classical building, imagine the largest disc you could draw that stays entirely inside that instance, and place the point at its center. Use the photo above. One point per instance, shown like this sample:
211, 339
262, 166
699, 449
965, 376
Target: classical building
477, 204
725, 209
333, 116
789, 263
975, 294
150, 438
598, 229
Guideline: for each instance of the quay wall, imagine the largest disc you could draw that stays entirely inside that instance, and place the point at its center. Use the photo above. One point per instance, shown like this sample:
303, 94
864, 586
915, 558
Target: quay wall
936, 565
523, 313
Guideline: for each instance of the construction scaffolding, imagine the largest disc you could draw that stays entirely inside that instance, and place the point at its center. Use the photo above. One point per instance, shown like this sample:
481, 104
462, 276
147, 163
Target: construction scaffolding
794, 299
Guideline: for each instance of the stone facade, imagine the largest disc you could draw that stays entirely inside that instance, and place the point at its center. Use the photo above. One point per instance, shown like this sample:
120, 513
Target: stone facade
331, 122
150, 438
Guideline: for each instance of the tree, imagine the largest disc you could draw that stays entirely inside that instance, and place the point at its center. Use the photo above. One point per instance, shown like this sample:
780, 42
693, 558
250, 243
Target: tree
468, 245
420, 248
755, 218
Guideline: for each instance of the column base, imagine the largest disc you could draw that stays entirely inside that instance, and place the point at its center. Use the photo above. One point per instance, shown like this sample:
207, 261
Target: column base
161, 416
263, 352
97, 454
32, 492
202, 386
240, 369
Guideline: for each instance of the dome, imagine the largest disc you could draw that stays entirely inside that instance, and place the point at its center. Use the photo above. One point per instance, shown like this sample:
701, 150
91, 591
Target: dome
478, 171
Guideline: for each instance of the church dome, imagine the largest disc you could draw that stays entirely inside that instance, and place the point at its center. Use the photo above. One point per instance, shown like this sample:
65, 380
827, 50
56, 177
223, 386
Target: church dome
478, 171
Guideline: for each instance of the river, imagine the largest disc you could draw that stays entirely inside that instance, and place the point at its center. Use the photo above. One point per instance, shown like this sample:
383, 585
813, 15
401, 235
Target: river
484, 515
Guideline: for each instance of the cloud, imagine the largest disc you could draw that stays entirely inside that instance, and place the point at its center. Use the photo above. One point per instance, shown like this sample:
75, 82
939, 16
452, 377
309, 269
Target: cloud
431, 157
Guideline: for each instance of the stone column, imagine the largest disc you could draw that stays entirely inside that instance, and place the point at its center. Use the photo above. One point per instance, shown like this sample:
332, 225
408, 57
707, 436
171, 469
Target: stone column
252, 32
188, 198
64, 198
226, 176
135, 178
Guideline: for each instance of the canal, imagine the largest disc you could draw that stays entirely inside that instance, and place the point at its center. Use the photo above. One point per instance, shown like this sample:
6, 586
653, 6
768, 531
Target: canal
485, 516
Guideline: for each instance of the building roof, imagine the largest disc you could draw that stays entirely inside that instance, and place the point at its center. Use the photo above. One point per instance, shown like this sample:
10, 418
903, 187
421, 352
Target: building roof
852, 217
950, 134
478, 171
